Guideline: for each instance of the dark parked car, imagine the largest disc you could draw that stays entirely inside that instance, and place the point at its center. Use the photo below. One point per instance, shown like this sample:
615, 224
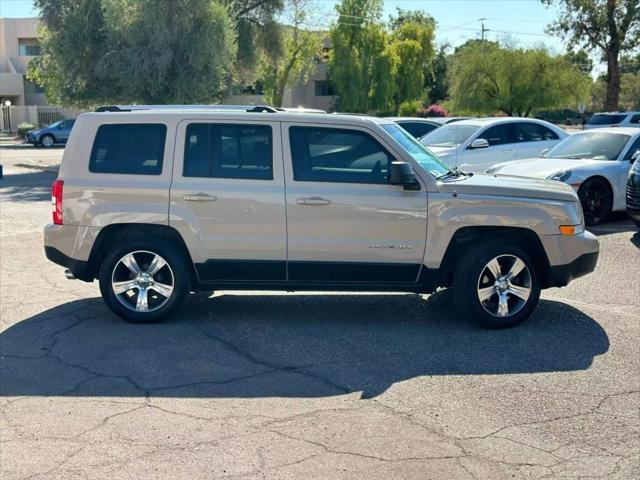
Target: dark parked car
57, 132
633, 193
416, 126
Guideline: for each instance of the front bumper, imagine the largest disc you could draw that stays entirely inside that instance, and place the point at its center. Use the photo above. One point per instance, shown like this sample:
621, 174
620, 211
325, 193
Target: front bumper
584, 264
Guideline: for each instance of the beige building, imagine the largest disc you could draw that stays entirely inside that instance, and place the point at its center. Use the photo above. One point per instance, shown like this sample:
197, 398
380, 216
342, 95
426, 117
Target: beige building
18, 46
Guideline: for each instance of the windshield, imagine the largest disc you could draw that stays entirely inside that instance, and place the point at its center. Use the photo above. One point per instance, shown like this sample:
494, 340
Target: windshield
55, 124
592, 146
606, 119
450, 135
420, 154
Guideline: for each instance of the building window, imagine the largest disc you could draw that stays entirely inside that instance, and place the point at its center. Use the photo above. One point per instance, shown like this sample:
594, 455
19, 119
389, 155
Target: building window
32, 87
28, 47
324, 88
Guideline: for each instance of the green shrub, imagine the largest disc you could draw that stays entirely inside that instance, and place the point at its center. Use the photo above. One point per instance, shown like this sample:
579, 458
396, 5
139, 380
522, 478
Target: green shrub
24, 127
410, 108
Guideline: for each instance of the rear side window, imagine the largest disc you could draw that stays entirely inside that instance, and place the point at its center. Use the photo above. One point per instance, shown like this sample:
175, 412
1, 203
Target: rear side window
599, 119
131, 148
337, 155
533, 132
635, 119
228, 151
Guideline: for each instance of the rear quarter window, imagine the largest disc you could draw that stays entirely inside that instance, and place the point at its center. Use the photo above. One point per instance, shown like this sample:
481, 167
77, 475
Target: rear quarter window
134, 149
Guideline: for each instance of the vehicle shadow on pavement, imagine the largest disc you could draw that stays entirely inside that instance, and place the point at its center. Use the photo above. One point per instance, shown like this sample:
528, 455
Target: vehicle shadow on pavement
618, 222
250, 346
27, 187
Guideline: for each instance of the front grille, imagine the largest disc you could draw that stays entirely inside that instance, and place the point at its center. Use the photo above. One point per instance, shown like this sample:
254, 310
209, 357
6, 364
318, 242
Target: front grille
633, 197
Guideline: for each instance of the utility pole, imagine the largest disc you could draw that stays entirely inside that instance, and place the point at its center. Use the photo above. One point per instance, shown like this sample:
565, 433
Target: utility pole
483, 29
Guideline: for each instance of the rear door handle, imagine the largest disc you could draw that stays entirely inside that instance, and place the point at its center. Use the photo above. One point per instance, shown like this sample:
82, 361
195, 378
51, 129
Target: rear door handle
313, 201
199, 197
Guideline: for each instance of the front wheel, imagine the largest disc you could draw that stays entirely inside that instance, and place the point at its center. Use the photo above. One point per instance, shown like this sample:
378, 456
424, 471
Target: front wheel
596, 198
495, 285
144, 282
47, 141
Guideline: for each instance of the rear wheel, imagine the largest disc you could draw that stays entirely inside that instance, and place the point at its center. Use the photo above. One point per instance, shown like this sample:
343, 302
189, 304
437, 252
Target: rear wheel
144, 282
596, 198
495, 285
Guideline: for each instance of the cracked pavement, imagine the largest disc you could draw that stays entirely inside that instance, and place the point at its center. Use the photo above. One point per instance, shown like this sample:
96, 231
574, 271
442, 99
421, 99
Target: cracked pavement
289, 386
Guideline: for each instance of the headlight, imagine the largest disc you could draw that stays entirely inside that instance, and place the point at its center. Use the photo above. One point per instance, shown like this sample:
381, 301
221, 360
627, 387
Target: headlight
561, 176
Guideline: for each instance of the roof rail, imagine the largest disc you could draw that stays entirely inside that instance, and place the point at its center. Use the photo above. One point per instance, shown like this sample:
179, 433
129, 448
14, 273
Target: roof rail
240, 108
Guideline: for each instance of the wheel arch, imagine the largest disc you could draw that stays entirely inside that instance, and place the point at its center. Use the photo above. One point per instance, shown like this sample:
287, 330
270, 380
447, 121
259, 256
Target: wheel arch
125, 231
525, 238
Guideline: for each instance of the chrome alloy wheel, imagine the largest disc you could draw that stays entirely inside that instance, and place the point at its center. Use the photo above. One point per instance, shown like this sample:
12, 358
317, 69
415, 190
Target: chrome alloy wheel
142, 281
504, 286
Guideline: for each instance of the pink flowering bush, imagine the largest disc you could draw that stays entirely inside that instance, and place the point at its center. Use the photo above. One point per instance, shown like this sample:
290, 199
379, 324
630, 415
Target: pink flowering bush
433, 110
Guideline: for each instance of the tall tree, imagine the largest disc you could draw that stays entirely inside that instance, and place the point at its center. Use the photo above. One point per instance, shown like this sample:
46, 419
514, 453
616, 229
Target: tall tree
359, 66
438, 83
581, 59
412, 50
610, 26
108, 51
301, 53
485, 78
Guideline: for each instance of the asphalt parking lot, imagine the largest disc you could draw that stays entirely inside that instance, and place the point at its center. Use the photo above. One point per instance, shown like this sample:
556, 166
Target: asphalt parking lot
291, 386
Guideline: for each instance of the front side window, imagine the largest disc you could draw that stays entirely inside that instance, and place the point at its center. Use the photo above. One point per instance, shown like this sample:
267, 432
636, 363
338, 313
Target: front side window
635, 147
635, 119
228, 151
533, 132
337, 155
136, 149
418, 152
497, 135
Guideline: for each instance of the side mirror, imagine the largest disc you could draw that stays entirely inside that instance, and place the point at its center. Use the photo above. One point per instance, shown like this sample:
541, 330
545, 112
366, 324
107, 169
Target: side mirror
478, 143
545, 152
635, 156
402, 174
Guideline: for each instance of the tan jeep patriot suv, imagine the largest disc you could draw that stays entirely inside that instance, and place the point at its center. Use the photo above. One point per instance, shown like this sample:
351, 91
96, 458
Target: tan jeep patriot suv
157, 202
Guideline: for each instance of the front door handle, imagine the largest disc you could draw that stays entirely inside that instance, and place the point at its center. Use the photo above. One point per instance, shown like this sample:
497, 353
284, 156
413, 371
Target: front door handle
313, 201
199, 197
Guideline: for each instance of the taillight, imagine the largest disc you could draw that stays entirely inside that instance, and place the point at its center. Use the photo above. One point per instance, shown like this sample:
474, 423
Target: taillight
56, 201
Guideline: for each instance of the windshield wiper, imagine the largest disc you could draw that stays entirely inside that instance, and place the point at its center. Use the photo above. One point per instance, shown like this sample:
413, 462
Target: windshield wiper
454, 172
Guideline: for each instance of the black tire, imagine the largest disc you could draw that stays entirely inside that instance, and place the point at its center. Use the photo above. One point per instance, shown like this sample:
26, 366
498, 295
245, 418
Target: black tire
596, 198
47, 141
178, 274
467, 283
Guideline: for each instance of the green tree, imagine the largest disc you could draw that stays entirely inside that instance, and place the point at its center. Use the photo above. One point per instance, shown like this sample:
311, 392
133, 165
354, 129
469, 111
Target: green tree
301, 52
359, 64
486, 78
611, 27
630, 91
581, 59
438, 83
412, 51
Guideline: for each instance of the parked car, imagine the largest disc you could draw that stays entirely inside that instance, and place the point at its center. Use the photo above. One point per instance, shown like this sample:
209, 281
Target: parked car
445, 120
474, 145
57, 132
595, 163
416, 126
156, 203
613, 119
633, 193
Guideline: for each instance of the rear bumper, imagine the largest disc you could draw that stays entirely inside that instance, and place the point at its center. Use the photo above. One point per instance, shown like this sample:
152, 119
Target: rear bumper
584, 264
79, 268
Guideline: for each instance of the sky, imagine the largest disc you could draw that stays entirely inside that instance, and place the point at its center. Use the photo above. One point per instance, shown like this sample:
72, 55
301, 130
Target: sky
522, 21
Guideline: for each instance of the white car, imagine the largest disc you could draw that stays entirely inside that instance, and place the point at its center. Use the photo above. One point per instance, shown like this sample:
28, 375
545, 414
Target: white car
614, 119
596, 163
474, 145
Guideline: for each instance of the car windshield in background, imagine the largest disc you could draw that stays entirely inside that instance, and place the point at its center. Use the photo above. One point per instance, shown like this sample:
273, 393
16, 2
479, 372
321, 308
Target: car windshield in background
55, 124
592, 146
450, 135
600, 119
420, 154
